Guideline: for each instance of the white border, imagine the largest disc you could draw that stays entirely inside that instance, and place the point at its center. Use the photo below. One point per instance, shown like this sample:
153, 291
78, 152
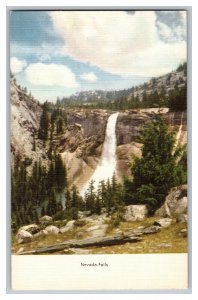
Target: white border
115, 3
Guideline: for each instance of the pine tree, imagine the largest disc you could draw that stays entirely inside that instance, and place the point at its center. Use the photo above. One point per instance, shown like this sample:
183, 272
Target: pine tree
68, 201
90, 197
157, 170
44, 123
60, 173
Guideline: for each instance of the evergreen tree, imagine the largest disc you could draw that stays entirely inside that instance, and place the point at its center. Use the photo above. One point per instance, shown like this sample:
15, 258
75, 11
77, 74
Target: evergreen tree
157, 170
52, 206
44, 123
178, 99
68, 201
60, 173
90, 197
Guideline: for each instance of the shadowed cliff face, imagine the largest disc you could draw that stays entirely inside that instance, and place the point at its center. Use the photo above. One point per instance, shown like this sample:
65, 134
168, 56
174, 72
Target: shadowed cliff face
130, 123
82, 143
129, 126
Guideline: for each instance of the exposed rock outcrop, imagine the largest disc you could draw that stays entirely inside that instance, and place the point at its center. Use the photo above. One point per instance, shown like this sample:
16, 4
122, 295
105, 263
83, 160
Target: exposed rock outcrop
128, 130
175, 203
52, 229
165, 222
24, 236
135, 212
25, 115
32, 228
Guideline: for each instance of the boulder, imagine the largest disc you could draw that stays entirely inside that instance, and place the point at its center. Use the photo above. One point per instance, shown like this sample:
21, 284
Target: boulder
46, 220
175, 203
24, 236
150, 229
97, 230
52, 229
145, 230
32, 228
135, 213
67, 227
165, 222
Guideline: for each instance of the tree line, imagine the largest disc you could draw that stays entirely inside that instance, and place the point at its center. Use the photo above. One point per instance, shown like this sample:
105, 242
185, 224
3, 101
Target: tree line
175, 99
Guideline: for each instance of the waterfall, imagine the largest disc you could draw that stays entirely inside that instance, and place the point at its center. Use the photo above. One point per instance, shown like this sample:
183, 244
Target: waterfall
107, 164
178, 136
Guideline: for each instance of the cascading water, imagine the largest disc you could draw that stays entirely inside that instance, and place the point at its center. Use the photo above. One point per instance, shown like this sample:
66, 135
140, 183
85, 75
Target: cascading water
107, 163
178, 136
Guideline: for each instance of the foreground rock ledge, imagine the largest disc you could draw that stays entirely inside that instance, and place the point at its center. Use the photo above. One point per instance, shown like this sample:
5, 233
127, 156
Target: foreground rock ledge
91, 242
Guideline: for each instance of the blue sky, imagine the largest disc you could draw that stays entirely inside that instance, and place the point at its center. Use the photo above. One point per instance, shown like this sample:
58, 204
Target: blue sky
58, 53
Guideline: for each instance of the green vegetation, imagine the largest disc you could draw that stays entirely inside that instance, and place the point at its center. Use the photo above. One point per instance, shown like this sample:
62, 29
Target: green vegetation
53, 121
108, 196
36, 194
158, 169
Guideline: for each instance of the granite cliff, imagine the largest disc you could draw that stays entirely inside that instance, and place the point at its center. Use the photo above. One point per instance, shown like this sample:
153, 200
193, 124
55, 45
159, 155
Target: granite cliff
81, 142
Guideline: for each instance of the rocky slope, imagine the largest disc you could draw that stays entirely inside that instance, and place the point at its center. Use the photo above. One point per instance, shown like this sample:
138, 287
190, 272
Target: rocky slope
165, 232
25, 116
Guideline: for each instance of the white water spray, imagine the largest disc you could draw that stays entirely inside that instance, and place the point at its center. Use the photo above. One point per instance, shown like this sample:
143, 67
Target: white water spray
107, 164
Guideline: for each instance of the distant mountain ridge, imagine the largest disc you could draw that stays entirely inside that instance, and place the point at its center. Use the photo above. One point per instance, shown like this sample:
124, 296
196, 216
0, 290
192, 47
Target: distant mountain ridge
164, 83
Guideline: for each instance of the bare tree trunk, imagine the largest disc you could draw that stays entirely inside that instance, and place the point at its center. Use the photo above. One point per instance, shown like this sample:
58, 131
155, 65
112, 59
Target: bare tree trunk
90, 242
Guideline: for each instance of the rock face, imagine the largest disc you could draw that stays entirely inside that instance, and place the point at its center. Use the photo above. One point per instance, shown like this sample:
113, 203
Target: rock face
135, 213
81, 145
175, 203
130, 122
128, 130
25, 117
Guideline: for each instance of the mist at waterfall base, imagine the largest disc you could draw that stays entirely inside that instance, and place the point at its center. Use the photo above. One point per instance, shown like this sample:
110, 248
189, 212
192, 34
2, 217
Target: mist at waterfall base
107, 164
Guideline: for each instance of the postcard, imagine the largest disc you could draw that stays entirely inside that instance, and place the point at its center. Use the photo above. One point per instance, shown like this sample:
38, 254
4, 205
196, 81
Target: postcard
98, 141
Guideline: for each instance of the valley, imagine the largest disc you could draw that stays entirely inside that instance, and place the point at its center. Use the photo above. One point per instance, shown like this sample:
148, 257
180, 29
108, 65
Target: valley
59, 152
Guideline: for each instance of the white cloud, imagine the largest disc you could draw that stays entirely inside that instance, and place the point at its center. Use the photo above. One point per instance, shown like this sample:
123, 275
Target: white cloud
91, 77
17, 65
117, 42
50, 75
165, 31
175, 31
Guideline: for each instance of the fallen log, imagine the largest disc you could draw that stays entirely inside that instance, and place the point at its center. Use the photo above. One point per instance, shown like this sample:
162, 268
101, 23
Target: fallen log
85, 243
